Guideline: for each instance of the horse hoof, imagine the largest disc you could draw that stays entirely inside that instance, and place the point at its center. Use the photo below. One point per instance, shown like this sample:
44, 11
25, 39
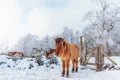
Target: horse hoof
62, 75
76, 69
67, 75
72, 70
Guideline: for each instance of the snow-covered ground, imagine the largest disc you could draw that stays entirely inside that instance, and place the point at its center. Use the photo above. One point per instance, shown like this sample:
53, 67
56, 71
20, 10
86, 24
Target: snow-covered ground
20, 71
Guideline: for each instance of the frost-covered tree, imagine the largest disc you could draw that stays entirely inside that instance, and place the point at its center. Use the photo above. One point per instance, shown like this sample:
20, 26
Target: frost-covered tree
4, 47
27, 43
102, 24
115, 35
47, 42
68, 34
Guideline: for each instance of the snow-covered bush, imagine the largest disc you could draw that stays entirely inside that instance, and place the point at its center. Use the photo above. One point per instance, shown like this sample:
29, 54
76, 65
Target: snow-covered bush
5, 61
52, 59
39, 60
26, 63
38, 57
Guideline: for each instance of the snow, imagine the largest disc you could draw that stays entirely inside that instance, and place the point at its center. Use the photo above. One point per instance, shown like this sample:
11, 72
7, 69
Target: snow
19, 70
6, 62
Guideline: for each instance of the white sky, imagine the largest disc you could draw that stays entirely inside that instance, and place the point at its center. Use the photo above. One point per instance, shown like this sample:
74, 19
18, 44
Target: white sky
42, 17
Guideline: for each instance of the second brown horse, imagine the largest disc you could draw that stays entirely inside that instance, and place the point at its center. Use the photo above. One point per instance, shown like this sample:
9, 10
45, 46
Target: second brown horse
67, 52
49, 52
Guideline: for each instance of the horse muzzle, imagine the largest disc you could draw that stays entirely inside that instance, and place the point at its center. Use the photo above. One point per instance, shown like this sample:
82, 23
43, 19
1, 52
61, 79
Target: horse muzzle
57, 54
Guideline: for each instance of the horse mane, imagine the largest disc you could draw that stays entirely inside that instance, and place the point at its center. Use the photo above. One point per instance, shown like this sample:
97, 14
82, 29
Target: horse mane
65, 44
58, 40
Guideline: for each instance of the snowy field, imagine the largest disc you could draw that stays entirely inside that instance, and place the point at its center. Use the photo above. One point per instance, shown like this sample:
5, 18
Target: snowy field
19, 70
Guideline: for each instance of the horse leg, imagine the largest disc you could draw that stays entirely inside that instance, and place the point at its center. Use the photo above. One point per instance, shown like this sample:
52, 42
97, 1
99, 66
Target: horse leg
63, 67
76, 61
67, 67
73, 61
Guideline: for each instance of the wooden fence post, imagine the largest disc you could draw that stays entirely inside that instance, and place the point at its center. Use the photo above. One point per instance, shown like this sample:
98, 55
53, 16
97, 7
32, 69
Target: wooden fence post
99, 59
81, 41
83, 51
81, 46
101, 55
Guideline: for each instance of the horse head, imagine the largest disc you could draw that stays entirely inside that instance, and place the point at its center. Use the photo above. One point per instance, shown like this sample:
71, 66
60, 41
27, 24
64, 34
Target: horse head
49, 52
59, 43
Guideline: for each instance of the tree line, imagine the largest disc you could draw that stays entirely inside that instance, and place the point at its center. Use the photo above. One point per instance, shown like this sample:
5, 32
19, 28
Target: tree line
29, 41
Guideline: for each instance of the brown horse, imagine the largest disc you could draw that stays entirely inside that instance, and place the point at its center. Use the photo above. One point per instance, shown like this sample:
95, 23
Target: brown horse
15, 53
67, 52
49, 52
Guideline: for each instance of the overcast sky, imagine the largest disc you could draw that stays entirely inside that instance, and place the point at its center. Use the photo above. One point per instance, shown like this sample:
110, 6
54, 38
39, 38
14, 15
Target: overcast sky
42, 17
